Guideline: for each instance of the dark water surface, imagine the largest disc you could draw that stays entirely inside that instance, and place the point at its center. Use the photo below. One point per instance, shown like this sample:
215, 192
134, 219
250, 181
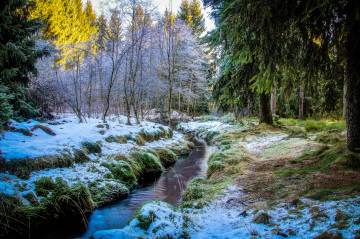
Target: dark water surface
167, 187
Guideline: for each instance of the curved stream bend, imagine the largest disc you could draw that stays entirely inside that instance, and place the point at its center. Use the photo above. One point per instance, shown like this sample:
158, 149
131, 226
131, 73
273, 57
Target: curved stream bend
168, 187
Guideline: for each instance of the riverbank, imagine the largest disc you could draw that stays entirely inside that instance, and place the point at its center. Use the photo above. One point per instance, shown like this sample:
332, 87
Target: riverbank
57, 170
293, 180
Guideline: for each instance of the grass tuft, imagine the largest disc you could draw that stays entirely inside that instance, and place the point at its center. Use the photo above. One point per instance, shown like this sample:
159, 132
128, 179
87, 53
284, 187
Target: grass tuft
91, 148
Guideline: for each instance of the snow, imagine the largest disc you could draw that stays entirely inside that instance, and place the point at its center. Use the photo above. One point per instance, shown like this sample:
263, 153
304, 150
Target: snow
70, 134
6, 188
256, 145
166, 222
201, 126
222, 219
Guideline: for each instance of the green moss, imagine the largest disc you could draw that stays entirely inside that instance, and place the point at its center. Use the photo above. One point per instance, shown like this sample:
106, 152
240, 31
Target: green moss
122, 170
313, 125
148, 162
200, 191
80, 156
91, 148
166, 156
110, 192
288, 122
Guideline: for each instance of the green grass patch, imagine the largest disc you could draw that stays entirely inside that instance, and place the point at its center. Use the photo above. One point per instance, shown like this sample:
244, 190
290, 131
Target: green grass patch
323, 160
288, 122
60, 202
23, 167
122, 171
166, 156
200, 191
149, 163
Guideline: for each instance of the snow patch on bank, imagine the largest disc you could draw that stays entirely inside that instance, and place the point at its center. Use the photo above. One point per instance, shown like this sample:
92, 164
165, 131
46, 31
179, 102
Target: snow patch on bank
155, 219
202, 126
232, 216
69, 134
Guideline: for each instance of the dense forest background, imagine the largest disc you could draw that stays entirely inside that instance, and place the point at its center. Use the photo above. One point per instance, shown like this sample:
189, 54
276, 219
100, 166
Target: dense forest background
268, 59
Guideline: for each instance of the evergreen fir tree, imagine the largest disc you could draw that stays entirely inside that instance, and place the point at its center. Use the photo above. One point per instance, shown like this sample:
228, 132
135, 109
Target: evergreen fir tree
18, 55
191, 14
197, 17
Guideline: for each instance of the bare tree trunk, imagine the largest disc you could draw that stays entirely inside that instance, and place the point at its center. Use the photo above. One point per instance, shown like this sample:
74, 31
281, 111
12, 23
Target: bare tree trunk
352, 46
265, 110
250, 107
301, 100
345, 103
273, 101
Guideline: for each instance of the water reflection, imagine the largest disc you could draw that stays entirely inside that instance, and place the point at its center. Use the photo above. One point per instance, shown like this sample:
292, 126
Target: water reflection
167, 187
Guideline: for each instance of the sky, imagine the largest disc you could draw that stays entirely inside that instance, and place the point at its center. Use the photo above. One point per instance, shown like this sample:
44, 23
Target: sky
162, 5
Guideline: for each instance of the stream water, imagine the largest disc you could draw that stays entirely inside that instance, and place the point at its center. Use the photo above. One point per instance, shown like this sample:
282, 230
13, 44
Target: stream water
167, 187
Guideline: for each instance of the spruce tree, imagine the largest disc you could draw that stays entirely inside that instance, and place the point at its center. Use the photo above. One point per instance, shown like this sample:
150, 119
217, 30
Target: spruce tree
191, 14
310, 36
18, 55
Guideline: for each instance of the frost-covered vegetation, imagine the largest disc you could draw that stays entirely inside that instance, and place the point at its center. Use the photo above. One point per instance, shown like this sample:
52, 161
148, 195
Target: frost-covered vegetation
69, 169
264, 181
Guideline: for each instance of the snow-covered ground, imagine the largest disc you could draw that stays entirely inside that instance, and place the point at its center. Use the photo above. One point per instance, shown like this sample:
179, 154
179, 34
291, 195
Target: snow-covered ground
232, 216
70, 135
235, 214
202, 126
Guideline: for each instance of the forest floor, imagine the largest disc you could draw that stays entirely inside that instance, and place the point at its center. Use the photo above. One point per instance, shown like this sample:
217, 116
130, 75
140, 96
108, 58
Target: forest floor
293, 180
